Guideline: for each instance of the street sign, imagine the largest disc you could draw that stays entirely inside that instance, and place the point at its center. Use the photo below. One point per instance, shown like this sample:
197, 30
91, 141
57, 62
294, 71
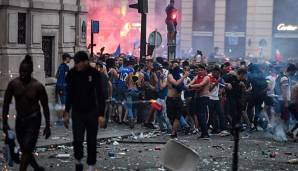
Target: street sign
155, 39
95, 26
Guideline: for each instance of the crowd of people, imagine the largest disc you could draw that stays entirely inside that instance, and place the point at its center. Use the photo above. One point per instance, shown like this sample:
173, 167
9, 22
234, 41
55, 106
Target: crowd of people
177, 96
193, 96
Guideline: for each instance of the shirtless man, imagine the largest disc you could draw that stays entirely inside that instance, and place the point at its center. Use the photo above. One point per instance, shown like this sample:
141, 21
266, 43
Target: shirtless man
27, 92
174, 102
201, 84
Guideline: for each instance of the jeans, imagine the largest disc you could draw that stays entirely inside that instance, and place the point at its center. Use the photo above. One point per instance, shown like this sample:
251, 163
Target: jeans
201, 104
258, 101
217, 119
131, 96
161, 117
183, 122
81, 123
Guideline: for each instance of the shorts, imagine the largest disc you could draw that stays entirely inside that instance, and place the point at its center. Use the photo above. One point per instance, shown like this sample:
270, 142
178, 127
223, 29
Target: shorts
174, 108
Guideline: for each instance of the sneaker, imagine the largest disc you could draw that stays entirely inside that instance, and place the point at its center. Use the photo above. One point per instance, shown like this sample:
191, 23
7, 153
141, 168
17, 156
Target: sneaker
131, 123
186, 130
205, 137
79, 167
149, 125
195, 131
224, 133
214, 132
173, 136
253, 129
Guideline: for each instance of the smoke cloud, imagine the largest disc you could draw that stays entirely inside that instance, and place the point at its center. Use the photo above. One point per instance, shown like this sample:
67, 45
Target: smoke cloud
120, 24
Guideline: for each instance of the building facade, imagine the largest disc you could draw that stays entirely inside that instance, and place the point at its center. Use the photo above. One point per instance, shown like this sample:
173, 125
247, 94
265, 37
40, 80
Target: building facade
240, 27
43, 29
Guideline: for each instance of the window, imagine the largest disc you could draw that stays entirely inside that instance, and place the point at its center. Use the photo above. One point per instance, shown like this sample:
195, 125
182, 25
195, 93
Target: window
236, 12
203, 15
21, 28
235, 37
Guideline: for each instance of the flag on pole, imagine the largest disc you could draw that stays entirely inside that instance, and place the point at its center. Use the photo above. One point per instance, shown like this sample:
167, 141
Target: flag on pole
136, 44
118, 51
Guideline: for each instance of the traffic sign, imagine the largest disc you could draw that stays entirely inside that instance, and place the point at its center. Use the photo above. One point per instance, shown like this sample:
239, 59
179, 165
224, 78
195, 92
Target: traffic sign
95, 26
155, 39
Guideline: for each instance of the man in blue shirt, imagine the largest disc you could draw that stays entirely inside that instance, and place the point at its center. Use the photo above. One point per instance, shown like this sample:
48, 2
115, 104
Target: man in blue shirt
124, 72
61, 84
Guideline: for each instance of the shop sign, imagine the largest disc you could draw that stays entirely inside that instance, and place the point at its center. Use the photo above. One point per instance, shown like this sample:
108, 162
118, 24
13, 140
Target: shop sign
285, 27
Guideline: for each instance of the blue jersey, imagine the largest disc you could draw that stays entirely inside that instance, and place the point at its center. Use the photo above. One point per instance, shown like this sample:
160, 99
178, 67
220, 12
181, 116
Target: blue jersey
124, 72
62, 70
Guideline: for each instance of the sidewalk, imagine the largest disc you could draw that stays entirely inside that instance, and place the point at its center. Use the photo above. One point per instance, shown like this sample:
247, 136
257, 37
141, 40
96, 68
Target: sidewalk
60, 135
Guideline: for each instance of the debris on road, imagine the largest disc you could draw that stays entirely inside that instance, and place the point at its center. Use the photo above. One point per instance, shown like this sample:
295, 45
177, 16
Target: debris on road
61, 156
293, 161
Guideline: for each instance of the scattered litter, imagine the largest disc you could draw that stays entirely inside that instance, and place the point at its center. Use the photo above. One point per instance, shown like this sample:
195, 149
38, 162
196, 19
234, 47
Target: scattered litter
293, 161
63, 161
66, 139
39, 150
115, 143
245, 136
141, 136
273, 154
206, 161
157, 148
55, 138
218, 147
62, 155
111, 154
134, 136
125, 149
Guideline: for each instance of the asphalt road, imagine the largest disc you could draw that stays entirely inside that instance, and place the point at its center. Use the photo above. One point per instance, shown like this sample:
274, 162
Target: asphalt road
143, 153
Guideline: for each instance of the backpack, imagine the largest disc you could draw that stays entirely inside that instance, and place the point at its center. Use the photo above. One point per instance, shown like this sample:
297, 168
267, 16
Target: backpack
277, 87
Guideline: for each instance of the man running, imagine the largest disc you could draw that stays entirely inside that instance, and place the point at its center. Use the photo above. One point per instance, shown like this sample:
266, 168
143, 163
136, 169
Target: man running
28, 93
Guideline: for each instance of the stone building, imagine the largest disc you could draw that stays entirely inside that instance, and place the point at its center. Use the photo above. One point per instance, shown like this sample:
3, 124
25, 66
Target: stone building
44, 29
241, 27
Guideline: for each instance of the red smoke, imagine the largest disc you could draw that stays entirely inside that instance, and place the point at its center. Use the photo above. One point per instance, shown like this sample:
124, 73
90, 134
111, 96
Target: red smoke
116, 24
120, 24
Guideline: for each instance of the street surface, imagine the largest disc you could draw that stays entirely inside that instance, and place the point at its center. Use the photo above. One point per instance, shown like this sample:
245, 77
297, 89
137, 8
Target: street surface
120, 148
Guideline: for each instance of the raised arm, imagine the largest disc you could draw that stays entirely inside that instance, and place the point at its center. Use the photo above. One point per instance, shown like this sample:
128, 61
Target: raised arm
177, 82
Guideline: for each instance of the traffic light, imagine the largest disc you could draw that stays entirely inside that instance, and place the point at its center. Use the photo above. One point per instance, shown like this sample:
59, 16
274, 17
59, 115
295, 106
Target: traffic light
142, 6
174, 15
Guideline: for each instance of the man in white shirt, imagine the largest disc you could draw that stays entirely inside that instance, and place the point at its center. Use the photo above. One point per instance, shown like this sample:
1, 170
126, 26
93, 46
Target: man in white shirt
285, 89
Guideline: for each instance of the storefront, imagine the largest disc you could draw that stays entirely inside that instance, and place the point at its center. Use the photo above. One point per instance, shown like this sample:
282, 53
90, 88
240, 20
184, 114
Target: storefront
285, 28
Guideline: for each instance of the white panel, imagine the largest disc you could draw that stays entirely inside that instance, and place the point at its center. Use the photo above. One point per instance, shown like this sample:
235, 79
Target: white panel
50, 19
51, 1
69, 28
36, 29
70, 2
12, 27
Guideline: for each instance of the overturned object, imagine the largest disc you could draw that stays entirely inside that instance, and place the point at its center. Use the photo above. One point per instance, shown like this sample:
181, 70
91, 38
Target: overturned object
178, 157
